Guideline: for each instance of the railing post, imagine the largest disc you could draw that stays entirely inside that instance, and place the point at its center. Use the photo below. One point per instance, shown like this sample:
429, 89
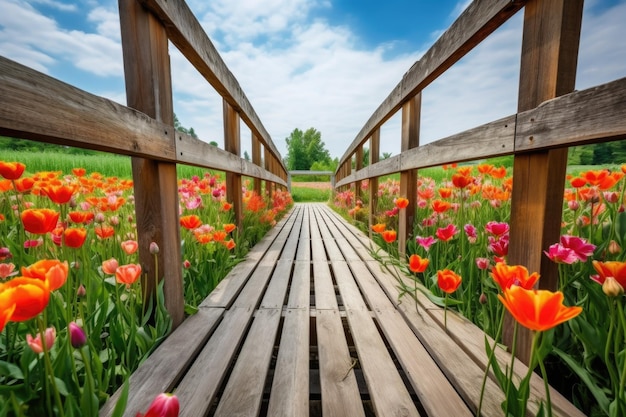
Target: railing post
408, 179
232, 144
149, 90
373, 182
256, 159
548, 69
269, 186
358, 166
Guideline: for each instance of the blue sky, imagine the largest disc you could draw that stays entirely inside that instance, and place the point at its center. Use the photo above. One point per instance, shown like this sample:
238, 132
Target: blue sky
325, 64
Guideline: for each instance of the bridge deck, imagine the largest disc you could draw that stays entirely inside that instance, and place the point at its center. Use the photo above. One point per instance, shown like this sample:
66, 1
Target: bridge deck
310, 324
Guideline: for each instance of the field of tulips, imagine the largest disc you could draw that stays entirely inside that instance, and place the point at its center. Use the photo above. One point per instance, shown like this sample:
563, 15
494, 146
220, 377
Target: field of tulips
73, 322
458, 250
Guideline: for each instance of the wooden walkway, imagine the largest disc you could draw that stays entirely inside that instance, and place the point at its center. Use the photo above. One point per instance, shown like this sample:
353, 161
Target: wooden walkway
309, 325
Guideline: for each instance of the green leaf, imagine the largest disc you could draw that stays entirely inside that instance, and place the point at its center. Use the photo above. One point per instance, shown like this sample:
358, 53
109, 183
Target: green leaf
11, 370
120, 405
61, 387
587, 378
190, 310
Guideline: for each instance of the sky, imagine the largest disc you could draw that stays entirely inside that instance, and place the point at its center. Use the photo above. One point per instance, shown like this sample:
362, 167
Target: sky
325, 64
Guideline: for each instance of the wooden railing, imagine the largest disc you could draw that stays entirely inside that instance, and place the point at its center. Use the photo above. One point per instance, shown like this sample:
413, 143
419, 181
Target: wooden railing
551, 117
37, 107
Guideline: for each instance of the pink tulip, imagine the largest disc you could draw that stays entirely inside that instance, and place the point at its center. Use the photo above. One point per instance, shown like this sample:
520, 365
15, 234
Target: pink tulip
35, 343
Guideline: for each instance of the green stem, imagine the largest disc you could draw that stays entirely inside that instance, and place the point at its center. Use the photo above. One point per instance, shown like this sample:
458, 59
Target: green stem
607, 348
544, 375
622, 381
491, 355
49, 369
509, 377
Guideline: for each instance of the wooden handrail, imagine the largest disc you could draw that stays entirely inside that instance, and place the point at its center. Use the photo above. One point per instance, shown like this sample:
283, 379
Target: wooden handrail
551, 117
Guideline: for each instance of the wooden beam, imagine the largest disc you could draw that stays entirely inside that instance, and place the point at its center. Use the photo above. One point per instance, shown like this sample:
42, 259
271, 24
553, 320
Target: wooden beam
408, 178
232, 144
373, 182
473, 25
148, 89
256, 160
358, 156
548, 69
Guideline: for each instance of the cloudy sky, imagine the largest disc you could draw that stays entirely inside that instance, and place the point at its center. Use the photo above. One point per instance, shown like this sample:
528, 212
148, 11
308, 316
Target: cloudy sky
325, 64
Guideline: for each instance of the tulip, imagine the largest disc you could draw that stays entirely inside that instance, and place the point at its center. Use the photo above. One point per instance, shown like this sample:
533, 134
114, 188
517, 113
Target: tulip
190, 222
448, 281
537, 310
29, 296
37, 345
110, 266
11, 170
379, 227
402, 202
77, 335
74, 237
389, 236
164, 405
229, 227
130, 246
417, 263
7, 270
127, 274
154, 248
39, 221
53, 271
507, 275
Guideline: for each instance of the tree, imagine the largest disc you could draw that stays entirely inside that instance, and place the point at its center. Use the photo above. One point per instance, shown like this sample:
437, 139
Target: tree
178, 126
246, 155
304, 149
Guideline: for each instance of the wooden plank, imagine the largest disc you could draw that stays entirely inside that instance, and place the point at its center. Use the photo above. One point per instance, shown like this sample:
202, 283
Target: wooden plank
244, 390
162, 370
187, 34
577, 118
277, 288
304, 244
340, 392
38, 107
477, 21
290, 388
299, 295
437, 395
149, 89
389, 165
325, 298
197, 390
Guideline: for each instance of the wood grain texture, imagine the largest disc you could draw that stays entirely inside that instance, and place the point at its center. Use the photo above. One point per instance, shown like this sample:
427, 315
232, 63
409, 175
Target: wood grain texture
477, 21
162, 370
187, 34
411, 113
373, 182
581, 117
244, 390
37, 107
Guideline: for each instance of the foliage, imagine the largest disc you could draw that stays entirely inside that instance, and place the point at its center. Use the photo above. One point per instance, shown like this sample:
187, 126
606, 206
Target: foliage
305, 148
91, 327
461, 224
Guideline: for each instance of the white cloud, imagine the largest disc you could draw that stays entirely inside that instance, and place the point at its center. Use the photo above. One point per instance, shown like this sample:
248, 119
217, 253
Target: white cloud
57, 5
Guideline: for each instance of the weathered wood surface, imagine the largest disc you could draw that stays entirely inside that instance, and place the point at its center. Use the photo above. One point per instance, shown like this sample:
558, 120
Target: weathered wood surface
312, 325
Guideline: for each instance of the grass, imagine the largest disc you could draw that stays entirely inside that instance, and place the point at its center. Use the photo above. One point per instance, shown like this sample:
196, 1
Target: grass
305, 194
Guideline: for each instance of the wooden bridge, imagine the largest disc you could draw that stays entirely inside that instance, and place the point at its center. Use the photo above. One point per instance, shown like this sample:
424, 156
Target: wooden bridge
310, 324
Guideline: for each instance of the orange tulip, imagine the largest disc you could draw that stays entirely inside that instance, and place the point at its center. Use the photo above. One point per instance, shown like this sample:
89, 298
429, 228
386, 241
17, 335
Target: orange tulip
130, 246
39, 221
440, 206
11, 170
230, 245
190, 222
229, 227
127, 274
219, 236
7, 306
448, 281
6, 185
74, 237
226, 206
52, 271
508, 275
79, 172
24, 184
608, 269
445, 192
498, 172
60, 194
379, 227
81, 216
402, 202
110, 266
537, 310
204, 238
461, 181
417, 263
104, 231
30, 296
389, 235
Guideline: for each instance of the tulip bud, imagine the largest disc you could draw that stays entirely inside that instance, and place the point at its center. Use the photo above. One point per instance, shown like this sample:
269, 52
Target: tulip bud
483, 298
81, 291
614, 248
186, 264
37, 345
78, 338
612, 288
154, 248
164, 405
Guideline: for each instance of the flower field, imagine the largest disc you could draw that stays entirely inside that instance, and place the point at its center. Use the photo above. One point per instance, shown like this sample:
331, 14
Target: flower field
73, 322
458, 251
